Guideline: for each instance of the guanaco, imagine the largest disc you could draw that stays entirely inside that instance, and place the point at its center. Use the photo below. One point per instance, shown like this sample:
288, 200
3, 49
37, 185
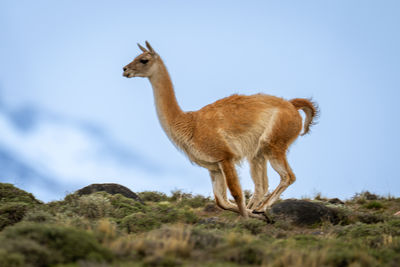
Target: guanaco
258, 128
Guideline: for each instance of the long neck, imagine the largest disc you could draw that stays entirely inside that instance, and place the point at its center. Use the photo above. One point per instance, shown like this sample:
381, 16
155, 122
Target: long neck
167, 106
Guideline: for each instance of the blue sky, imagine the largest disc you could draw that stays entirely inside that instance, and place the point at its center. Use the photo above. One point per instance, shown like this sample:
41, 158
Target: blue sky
62, 60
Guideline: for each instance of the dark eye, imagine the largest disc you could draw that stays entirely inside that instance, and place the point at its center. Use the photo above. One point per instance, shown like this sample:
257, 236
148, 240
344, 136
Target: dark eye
144, 61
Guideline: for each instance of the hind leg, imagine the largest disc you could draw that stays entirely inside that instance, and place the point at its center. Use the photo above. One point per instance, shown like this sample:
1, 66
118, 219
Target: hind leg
279, 163
258, 171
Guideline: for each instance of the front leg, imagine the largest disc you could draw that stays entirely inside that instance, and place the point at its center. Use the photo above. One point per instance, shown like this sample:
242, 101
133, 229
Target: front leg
219, 189
221, 198
232, 180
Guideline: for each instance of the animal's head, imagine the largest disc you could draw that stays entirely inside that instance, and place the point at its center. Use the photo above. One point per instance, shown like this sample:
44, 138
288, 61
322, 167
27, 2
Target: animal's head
143, 65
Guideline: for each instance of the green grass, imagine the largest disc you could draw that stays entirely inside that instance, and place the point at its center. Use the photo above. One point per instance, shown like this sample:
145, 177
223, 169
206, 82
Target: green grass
182, 229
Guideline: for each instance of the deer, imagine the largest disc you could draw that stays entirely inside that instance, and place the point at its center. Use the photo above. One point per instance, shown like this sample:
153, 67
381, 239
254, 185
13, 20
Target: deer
219, 136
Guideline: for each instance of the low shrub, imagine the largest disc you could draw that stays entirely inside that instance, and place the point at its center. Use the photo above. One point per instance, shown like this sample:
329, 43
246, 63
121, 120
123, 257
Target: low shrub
94, 206
330, 254
152, 196
164, 243
247, 254
178, 195
97, 205
247, 195
254, 226
139, 222
11, 259
11, 213
369, 218
46, 244
39, 216
242, 249
123, 206
196, 201
10, 193
14, 203
206, 238
153, 216
362, 197
345, 255
376, 205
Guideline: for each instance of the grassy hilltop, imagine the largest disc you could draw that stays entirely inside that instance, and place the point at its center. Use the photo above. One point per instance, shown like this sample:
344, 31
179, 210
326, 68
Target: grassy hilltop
185, 230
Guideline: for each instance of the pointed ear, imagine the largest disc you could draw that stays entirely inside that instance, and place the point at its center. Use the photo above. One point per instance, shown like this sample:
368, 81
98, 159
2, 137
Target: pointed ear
142, 48
151, 50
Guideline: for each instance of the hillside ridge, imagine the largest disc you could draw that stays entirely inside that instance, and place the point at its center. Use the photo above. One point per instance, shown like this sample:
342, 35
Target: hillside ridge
181, 229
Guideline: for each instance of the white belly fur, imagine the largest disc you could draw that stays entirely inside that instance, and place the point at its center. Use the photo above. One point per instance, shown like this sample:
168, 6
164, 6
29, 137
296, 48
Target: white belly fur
248, 144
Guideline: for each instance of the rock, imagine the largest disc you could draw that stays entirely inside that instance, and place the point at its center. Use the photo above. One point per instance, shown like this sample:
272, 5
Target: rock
301, 212
109, 188
335, 201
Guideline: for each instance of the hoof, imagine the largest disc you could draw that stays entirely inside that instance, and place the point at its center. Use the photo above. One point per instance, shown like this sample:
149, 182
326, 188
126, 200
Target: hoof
262, 215
257, 212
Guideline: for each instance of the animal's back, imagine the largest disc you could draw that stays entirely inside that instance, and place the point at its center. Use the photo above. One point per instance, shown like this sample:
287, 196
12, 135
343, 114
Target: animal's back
242, 120
237, 113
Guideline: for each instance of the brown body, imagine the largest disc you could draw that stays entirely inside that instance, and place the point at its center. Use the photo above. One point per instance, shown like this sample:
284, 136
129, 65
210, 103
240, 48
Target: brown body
258, 128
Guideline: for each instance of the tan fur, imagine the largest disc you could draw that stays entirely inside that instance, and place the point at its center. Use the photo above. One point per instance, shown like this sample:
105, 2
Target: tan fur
309, 108
257, 127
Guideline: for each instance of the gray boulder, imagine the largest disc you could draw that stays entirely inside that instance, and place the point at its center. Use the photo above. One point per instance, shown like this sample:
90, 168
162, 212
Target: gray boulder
302, 213
109, 188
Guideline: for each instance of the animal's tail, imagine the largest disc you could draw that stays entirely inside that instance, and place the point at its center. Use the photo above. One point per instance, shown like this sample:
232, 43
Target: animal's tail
311, 110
